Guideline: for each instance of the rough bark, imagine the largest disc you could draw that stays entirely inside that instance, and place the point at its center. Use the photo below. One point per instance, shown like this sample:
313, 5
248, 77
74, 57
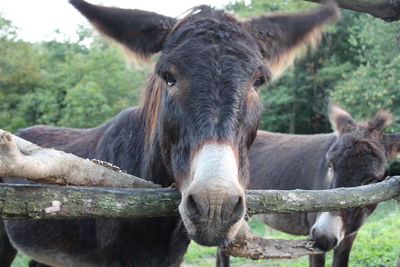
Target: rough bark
289, 201
388, 10
247, 245
51, 201
20, 158
34, 201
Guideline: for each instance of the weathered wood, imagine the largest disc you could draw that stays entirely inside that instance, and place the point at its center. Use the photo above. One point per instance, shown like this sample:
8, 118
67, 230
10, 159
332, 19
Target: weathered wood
20, 158
51, 201
34, 201
388, 10
257, 248
289, 201
247, 245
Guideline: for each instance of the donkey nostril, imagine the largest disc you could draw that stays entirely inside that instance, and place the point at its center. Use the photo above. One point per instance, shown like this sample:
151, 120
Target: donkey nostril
236, 211
238, 206
312, 234
335, 242
192, 206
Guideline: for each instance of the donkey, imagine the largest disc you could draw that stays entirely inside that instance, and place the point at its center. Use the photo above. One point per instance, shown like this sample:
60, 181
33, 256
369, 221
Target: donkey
198, 117
355, 154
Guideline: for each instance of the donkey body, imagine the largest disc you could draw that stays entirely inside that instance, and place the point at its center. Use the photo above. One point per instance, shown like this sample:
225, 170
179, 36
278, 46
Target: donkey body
198, 117
100, 242
354, 155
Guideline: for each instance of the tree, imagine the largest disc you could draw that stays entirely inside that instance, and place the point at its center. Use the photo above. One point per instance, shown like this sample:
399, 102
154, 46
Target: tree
77, 84
357, 50
375, 82
388, 10
19, 74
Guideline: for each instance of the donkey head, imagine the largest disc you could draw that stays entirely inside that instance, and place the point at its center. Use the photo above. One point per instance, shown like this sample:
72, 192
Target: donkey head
357, 157
202, 107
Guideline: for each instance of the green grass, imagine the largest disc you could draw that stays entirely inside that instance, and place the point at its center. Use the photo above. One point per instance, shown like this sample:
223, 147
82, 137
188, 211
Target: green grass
377, 244
20, 261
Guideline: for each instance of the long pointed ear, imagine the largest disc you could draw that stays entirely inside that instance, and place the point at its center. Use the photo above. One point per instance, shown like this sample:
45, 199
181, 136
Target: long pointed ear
382, 119
341, 121
392, 142
141, 32
281, 36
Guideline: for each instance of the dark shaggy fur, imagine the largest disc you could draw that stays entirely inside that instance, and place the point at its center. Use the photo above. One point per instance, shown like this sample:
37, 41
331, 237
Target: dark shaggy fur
204, 89
357, 154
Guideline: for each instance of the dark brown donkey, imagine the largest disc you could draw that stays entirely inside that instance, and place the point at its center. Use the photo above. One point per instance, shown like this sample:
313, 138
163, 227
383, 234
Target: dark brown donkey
198, 117
354, 155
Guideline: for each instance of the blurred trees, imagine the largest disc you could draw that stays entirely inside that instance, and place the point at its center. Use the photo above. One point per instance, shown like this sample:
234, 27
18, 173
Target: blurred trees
84, 83
19, 74
355, 65
73, 84
375, 82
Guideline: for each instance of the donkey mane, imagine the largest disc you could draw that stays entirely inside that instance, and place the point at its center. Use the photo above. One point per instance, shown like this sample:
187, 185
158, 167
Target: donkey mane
205, 10
149, 104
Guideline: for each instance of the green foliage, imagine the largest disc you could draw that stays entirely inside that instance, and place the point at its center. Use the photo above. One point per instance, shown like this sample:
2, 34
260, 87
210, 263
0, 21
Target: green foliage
40, 106
20, 261
378, 237
19, 73
375, 83
85, 106
76, 84
355, 64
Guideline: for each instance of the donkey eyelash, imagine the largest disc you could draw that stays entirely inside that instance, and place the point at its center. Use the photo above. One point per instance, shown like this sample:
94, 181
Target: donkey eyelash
169, 79
260, 81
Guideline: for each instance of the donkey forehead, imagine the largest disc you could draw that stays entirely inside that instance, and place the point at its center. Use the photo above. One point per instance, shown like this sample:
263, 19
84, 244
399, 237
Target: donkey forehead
198, 56
208, 20
354, 149
213, 29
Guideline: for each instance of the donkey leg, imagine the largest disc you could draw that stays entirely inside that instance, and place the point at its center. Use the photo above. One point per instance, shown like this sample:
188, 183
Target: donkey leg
222, 258
317, 260
7, 251
178, 246
341, 254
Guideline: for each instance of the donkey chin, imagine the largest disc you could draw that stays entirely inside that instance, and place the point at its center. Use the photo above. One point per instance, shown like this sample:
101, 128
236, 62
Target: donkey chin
213, 201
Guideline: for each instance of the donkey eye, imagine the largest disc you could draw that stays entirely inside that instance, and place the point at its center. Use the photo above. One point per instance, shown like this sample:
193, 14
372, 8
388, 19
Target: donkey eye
169, 79
258, 83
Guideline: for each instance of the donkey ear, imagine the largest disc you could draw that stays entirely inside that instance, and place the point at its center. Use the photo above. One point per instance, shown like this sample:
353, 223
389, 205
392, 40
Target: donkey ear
392, 144
140, 31
341, 121
281, 36
383, 118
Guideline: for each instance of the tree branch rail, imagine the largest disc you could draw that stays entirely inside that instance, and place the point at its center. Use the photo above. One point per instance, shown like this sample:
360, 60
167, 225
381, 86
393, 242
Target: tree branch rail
34, 201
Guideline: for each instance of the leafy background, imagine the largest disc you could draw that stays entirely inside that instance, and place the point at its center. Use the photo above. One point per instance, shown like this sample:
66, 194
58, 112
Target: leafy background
83, 83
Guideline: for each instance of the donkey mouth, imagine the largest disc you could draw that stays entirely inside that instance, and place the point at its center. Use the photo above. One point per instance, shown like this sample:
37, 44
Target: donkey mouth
217, 237
327, 244
214, 234
206, 240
